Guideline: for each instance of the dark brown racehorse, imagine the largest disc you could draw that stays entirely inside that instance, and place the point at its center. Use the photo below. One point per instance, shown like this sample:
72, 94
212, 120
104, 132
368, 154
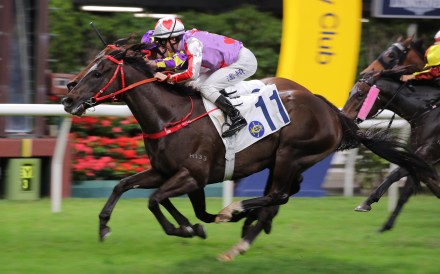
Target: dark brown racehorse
317, 129
402, 52
417, 104
197, 197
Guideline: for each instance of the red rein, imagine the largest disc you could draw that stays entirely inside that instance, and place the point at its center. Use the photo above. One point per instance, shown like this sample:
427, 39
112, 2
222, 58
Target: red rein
168, 129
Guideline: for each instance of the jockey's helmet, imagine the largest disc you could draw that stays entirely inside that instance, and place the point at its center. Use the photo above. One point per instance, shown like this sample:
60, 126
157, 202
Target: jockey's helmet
147, 38
168, 27
437, 38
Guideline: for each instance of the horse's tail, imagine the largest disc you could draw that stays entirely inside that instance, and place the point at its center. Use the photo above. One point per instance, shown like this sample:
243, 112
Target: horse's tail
384, 145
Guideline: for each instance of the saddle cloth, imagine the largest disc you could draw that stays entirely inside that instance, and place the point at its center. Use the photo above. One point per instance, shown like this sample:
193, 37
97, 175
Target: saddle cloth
259, 104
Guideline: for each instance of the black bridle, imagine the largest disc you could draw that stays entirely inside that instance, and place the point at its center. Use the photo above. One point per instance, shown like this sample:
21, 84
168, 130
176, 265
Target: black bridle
399, 53
386, 104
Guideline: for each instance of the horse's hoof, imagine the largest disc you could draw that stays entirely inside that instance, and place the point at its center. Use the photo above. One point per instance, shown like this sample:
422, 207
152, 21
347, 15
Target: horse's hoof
267, 227
104, 233
384, 229
222, 218
225, 258
200, 231
363, 208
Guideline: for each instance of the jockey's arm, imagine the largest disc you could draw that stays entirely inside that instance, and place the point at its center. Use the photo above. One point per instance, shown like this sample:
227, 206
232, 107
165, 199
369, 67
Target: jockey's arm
176, 62
428, 74
193, 51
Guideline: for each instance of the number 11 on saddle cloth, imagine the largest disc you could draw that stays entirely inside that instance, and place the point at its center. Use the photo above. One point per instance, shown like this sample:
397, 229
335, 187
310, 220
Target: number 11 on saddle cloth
260, 105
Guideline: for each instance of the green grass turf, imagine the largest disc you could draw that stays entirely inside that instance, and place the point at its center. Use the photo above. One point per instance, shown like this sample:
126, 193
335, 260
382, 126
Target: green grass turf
309, 235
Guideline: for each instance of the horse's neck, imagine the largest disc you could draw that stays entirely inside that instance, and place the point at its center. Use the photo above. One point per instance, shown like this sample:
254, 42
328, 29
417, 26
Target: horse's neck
154, 107
408, 101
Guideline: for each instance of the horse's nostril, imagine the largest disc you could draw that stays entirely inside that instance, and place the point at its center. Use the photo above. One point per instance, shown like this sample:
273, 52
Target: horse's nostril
66, 101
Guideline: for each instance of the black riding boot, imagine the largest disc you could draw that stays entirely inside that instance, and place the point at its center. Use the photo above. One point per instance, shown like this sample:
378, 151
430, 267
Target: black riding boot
238, 122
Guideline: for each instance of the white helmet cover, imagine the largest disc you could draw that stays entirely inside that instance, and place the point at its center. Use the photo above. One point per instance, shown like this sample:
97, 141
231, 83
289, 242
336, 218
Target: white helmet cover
168, 27
437, 37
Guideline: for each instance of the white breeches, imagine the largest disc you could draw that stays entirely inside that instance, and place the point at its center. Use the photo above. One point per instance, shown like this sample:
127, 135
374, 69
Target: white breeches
210, 83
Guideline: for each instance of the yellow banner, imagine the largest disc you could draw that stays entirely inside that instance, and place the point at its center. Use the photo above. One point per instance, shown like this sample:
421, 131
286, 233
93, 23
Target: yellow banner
320, 45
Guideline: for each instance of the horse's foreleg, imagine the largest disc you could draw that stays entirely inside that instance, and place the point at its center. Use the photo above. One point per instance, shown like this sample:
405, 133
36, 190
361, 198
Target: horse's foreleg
405, 194
145, 179
198, 201
180, 183
196, 230
374, 197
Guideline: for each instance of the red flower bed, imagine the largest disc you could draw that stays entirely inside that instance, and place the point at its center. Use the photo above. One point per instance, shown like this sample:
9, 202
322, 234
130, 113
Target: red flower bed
107, 148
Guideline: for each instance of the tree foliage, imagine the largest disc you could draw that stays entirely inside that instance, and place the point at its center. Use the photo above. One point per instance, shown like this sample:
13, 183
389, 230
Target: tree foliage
74, 43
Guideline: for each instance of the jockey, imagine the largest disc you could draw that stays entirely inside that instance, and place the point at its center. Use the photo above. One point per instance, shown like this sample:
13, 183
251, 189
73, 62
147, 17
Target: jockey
175, 62
432, 67
213, 63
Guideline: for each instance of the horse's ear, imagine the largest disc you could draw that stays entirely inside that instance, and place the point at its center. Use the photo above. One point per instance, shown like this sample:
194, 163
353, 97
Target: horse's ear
126, 40
407, 42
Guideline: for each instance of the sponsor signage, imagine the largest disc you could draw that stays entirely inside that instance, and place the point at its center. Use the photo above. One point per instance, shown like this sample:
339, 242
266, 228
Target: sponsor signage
424, 9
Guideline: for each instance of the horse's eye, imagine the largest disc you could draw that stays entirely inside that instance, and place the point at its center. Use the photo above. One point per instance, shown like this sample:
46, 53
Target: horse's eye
97, 74
360, 94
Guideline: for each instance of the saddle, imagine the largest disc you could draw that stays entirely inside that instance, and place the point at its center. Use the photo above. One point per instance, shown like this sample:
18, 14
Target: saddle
259, 104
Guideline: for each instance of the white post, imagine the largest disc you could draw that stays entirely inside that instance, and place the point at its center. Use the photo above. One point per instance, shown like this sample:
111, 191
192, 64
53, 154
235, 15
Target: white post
393, 192
228, 192
56, 186
350, 163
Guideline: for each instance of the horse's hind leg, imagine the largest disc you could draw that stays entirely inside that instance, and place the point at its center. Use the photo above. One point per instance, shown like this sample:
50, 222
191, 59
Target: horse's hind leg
264, 220
374, 197
145, 179
264, 217
280, 187
405, 194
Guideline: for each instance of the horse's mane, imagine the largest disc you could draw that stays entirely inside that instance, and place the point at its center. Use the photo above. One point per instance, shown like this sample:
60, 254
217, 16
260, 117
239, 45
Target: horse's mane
418, 47
134, 57
398, 71
393, 73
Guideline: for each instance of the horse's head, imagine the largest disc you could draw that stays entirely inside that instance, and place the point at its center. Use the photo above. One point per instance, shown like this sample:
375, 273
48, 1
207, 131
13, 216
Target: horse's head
395, 55
104, 79
358, 97
365, 101
149, 50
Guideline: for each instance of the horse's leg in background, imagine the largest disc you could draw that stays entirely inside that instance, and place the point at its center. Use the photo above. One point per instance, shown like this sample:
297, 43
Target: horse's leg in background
145, 179
406, 192
374, 197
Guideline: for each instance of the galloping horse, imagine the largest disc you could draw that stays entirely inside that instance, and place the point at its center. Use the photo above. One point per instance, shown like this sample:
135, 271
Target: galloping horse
402, 52
317, 129
417, 105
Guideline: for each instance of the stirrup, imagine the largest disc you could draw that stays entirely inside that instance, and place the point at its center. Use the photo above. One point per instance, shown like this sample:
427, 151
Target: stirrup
234, 127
